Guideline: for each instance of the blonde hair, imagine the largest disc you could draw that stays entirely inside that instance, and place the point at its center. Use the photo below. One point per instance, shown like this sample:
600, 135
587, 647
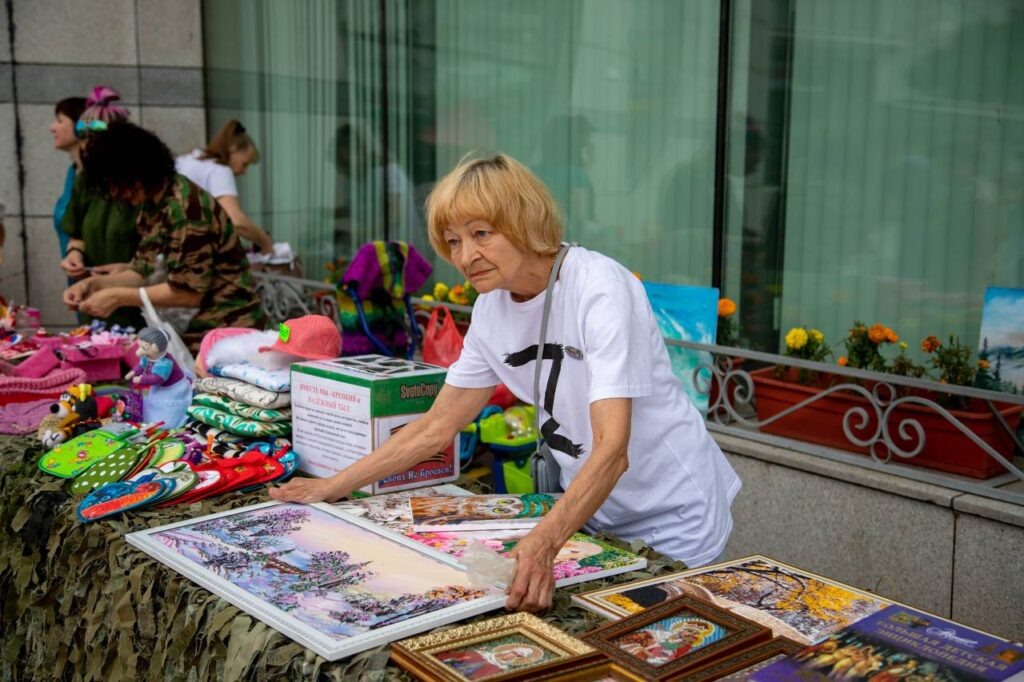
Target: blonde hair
231, 137
501, 191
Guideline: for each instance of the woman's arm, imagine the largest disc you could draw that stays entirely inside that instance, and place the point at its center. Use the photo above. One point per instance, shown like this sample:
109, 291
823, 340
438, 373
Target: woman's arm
533, 584
243, 224
418, 440
107, 293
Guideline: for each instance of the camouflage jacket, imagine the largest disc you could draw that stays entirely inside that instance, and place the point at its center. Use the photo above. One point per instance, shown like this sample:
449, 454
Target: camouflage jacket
202, 255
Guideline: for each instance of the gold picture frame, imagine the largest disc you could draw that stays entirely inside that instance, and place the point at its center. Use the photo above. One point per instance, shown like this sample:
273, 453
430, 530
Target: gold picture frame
505, 648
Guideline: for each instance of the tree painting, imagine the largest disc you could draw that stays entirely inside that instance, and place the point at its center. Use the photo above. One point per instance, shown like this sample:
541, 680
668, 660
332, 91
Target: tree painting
299, 559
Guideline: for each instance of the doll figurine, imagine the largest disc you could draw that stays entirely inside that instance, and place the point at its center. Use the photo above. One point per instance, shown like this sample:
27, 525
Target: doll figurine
169, 390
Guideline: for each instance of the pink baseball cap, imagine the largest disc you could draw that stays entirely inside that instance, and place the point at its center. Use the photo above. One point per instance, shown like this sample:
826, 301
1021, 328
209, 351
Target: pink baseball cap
313, 337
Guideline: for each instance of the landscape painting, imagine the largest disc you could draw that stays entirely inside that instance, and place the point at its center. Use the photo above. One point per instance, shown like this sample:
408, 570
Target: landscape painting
1001, 348
687, 313
328, 583
794, 604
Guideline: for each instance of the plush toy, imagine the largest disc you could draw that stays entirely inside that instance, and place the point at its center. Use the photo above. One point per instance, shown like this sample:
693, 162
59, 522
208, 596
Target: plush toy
168, 390
78, 410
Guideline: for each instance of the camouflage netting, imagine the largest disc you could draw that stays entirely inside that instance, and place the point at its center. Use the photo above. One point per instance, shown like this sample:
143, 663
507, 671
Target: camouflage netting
79, 603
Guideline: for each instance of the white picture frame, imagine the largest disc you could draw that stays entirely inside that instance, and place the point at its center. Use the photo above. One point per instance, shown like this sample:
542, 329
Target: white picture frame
412, 564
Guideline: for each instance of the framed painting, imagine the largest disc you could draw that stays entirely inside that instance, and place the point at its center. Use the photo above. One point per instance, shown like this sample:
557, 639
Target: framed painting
330, 583
675, 637
505, 648
1001, 346
582, 558
794, 603
392, 510
687, 313
479, 512
594, 668
741, 665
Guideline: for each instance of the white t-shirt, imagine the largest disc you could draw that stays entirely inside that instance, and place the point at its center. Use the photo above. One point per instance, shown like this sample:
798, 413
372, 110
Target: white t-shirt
216, 178
604, 342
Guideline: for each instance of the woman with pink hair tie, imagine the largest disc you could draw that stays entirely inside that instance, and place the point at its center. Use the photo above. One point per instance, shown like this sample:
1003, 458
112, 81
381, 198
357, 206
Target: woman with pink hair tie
102, 233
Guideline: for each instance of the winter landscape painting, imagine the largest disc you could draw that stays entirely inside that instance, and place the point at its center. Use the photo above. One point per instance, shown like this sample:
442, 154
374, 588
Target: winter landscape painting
326, 582
1002, 341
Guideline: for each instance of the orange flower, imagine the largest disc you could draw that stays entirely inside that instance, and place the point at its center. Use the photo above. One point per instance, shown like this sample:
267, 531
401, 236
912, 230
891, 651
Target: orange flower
726, 307
842, 362
891, 336
983, 364
877, 333
931, 344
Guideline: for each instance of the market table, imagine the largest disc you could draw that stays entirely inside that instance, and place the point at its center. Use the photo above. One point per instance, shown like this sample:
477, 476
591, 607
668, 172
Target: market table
80, 603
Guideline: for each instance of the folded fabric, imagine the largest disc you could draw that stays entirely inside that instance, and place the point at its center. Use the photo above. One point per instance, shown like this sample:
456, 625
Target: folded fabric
238, 425
21, 419
244, 393
204, 432
41, 363
269, 379
15, 389
241, 409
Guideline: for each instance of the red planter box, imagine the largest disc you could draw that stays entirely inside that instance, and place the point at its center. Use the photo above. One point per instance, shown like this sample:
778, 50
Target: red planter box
945, 449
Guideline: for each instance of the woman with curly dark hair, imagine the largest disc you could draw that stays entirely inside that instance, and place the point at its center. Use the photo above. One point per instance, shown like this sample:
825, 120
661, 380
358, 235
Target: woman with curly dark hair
179, 223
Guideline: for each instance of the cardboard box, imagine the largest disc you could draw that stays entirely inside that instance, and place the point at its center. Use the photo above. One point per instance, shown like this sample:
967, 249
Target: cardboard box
344, 409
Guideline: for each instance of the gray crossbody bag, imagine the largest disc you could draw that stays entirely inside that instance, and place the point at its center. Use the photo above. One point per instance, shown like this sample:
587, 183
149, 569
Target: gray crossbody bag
544, 467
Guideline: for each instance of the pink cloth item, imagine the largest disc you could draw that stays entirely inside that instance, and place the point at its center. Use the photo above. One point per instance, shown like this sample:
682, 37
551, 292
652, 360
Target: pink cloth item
39, 364
15, 389
22, 419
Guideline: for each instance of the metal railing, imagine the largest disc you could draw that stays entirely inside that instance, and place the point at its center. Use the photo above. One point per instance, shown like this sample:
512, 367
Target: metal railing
875, 421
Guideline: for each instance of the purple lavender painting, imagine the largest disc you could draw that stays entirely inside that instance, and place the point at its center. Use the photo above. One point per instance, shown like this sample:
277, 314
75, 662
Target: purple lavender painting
329, 574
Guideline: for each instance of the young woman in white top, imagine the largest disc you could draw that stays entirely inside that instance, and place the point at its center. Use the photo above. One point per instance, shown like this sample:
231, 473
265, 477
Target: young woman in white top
636, 459
214, 168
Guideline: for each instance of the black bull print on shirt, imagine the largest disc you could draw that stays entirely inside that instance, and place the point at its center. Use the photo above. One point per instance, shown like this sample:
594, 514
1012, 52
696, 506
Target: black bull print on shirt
549, 429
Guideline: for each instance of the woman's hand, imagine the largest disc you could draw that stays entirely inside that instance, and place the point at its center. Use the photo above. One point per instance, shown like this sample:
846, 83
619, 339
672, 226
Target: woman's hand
74, 265
78, 292
306, 490
533, 584
261, 240
102, 303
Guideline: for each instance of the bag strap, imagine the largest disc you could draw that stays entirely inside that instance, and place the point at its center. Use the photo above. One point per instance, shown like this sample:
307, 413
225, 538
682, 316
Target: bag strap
543, 337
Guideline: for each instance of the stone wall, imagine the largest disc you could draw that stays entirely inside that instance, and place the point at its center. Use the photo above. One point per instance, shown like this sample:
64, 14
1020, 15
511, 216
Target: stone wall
928, 546
150, 51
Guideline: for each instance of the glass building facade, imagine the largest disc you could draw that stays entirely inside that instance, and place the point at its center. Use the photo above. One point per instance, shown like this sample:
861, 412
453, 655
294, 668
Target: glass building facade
820, 161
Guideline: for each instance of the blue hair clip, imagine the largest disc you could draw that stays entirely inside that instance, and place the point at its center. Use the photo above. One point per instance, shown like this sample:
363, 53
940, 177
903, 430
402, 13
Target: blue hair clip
94, 126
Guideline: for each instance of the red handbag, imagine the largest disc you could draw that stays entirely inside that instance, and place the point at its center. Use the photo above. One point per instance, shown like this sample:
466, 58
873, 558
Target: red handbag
442, 342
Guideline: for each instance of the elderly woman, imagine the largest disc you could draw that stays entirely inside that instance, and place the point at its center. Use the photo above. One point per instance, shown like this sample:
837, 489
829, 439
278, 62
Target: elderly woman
179, 224
636, 459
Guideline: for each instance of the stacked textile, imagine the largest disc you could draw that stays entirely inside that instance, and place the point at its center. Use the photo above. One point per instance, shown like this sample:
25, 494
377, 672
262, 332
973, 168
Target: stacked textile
247, 395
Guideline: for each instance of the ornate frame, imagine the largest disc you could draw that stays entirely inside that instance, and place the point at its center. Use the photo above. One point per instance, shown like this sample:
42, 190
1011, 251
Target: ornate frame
742, 634
417, 655
744, 659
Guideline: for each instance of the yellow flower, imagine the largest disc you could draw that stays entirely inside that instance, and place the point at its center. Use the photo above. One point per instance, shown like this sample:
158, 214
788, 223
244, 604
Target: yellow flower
427, 297
726, 307
817, 337
796, 338
983, 364
903, 345
440, 291
842, 362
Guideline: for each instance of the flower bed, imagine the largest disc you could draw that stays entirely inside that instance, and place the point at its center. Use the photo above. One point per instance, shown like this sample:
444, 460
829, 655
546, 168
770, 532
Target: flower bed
945, 448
